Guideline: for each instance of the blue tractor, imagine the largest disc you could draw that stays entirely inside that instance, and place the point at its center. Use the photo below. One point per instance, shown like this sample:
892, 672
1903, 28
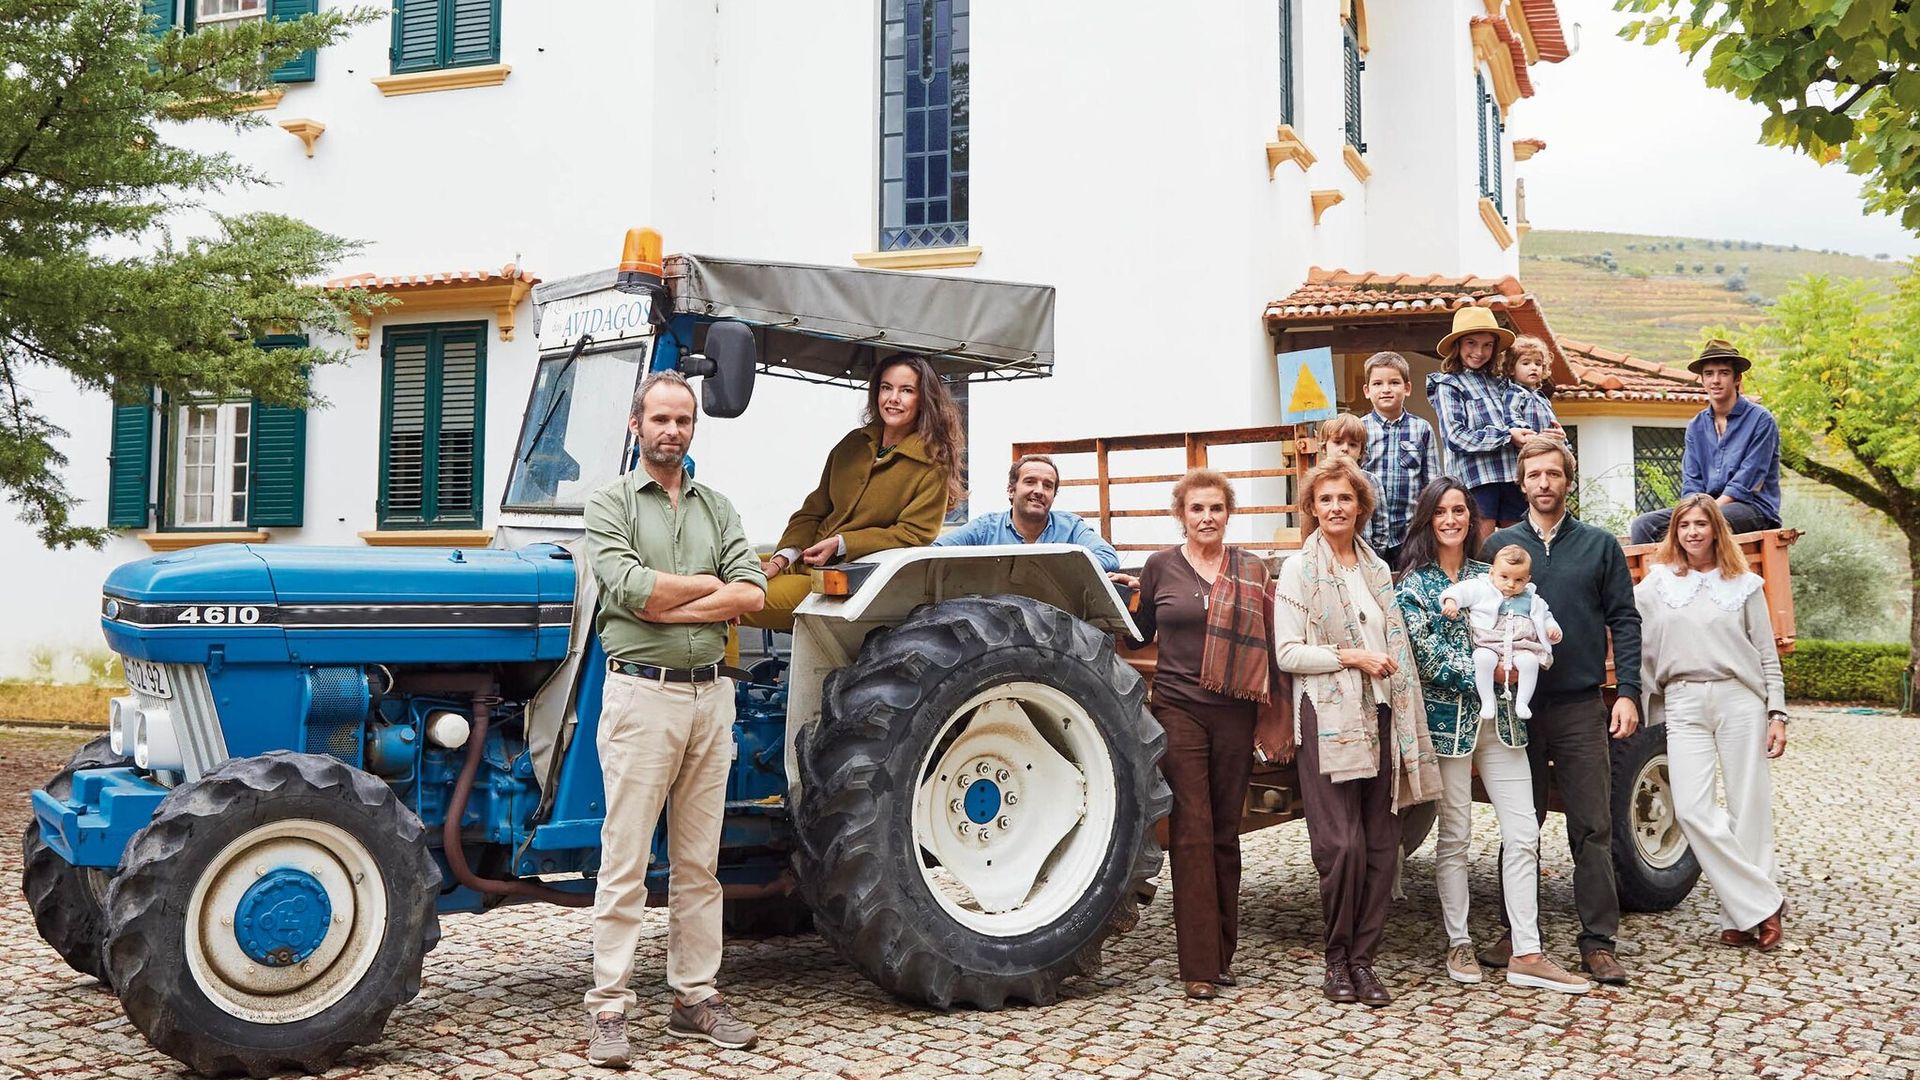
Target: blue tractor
323, 750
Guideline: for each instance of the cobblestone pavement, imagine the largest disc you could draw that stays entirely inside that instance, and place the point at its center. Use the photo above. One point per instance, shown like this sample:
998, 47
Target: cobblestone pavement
502, 991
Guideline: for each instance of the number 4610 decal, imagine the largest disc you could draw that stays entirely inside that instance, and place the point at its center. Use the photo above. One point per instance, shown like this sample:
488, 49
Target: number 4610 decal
219, 615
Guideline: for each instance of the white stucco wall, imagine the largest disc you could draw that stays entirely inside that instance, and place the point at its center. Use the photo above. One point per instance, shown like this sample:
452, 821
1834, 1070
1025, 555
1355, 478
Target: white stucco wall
1118, 155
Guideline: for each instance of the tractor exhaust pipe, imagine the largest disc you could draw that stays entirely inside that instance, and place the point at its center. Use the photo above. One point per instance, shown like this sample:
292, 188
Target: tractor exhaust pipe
457, 809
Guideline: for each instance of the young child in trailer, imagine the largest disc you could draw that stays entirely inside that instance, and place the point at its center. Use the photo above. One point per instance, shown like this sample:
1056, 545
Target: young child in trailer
1530, 388
1511, 625
1401, 456
1344, 436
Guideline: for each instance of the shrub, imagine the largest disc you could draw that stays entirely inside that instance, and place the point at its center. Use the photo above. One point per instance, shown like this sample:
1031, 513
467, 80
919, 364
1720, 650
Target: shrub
1699, 268
1607, 253
1679, 268
1680, 244
1719, 268
1845, 671
1633, 247
1755, 299
1849, 581
1737, 283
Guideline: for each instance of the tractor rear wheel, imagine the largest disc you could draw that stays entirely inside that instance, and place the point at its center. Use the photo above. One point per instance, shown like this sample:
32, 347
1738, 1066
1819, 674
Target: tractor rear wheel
1653, 866
272, 915
977, 803
66, 900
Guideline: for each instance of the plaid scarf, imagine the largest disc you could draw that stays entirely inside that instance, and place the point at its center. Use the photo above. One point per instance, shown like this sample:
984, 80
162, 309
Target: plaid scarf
1237, 652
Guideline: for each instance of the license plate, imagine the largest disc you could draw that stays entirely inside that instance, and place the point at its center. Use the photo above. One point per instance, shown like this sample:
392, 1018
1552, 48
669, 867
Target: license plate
147, 678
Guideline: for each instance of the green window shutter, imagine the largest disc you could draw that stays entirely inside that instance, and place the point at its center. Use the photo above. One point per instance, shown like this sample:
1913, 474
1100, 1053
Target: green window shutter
474, 32
1286, 61
416, 36
1350, 48
1480, 98
130, 466
277, 477
302, 67
432, 425
161, 11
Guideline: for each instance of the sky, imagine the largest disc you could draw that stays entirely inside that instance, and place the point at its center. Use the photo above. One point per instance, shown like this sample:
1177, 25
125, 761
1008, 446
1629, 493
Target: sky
1637, 142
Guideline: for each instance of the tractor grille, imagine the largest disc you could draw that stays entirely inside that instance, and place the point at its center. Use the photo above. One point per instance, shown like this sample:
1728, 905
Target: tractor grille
195, 720
337, 703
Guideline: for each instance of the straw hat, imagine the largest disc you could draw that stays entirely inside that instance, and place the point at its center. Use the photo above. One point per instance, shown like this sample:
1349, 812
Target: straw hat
1720, 351
1474, 319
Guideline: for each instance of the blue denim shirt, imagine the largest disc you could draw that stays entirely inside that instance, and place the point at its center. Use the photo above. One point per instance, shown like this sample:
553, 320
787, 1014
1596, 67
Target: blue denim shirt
1062, 528
1744, 463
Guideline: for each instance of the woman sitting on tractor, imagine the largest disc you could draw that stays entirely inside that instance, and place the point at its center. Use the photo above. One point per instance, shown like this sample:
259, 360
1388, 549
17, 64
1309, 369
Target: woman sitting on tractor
886, 485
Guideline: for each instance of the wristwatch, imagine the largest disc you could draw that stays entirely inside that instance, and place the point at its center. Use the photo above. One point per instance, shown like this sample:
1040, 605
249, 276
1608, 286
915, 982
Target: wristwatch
1778, 716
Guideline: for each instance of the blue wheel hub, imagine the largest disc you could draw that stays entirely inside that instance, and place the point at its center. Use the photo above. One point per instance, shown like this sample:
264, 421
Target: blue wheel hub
983, 801
283, 917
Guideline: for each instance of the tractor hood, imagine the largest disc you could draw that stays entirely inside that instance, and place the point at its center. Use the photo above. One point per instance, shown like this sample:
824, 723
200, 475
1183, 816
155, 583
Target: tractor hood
320, 605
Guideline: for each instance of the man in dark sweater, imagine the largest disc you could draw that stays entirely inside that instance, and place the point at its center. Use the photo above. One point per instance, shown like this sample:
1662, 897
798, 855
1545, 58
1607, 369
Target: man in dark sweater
1581, 572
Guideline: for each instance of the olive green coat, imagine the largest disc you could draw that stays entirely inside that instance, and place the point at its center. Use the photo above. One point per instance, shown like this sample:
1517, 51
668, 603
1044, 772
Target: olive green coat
872, 504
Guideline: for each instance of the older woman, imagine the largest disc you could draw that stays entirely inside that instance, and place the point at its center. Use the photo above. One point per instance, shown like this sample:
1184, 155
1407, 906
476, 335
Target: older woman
1445, 519
886, 485
1363, 746
1206, 602
1709, 664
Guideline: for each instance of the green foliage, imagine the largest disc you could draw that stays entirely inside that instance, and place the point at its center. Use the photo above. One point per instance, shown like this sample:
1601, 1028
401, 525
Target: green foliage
1845, 671
1840, 79
1849, 581
87, 175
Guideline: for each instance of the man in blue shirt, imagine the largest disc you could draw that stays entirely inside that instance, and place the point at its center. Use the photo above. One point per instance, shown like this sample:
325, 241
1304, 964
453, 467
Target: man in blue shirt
1032, 484
1733, 451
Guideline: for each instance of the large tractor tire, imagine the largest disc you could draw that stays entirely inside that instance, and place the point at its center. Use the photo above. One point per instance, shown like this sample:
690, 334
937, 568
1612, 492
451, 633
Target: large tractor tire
272, 915
67, 900
977, 803
1653, 865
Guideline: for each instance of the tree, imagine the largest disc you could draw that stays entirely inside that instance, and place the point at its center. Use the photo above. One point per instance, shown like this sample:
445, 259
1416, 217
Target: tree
93, 282
1840, 79
1835, 377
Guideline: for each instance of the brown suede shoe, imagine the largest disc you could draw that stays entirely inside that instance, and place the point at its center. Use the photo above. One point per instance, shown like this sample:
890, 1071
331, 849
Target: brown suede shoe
1603, 966
1201, 991
1767, 936
1497, 955
1338, 985
1736, 938
1367, 986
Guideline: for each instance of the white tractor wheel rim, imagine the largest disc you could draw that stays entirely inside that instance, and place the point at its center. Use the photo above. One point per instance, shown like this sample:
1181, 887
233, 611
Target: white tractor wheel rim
264, 994
1026, 765
1656, 828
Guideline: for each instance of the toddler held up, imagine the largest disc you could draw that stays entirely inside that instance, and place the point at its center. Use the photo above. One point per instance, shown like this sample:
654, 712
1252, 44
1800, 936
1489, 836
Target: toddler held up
1511, 626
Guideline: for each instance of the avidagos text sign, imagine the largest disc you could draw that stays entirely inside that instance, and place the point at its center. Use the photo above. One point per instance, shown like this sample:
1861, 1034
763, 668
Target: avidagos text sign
609, 315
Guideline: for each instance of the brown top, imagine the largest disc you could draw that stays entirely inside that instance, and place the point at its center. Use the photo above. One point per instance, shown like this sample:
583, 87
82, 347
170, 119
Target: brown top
1173, 610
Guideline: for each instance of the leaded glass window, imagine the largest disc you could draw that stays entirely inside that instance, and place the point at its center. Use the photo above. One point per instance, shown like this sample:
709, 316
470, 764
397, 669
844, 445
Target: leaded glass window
923, 124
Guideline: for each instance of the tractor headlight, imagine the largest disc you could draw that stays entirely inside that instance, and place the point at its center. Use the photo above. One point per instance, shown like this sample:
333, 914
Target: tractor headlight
155, 745
120, 723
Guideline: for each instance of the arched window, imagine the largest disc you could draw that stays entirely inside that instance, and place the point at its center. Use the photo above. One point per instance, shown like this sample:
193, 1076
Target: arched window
923, 124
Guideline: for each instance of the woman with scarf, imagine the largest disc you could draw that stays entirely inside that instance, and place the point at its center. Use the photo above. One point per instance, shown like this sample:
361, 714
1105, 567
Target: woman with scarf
1208, 605
1361, 724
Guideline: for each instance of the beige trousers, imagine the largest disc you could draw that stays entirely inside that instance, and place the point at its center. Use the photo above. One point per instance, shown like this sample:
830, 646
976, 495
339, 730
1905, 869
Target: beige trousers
661, 744
1722, 724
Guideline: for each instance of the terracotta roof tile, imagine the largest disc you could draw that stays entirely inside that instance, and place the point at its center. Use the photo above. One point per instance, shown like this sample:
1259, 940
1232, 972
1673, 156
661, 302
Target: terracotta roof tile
1515, 48
1606, 375
1543, 22
402, 282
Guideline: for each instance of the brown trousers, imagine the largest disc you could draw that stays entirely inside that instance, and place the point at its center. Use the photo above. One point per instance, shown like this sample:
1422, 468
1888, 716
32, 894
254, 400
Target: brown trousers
1354, 836
1209, 756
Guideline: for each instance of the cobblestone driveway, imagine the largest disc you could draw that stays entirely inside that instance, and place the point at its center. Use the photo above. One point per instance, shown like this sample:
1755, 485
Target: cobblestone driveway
502, 992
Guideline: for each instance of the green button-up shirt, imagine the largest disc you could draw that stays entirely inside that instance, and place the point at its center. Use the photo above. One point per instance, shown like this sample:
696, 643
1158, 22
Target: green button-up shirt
634, 531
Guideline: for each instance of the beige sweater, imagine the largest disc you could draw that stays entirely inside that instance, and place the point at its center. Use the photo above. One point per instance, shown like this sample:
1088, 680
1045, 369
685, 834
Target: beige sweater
1703, 627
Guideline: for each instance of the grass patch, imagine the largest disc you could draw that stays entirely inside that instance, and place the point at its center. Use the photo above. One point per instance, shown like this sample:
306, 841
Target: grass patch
54, 703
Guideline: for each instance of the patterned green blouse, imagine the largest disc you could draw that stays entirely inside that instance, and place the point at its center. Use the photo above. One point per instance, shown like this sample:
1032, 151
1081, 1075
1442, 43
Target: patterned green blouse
1443, 651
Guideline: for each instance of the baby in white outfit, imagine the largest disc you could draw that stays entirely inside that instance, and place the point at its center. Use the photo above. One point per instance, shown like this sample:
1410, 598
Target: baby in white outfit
1511, 626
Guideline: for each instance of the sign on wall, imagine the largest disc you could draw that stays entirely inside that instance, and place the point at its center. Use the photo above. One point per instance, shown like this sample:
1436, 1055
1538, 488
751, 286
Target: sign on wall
609, 315
1306, 386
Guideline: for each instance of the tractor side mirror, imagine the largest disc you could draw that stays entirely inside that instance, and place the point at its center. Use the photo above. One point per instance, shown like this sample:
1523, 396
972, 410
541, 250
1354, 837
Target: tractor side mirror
726, 368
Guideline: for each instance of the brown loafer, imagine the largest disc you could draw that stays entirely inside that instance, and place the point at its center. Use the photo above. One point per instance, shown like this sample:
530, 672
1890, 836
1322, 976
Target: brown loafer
1603, 966
1767, 936
1367, 986
1202, 991
1497, 955
1736, 938
1338, 985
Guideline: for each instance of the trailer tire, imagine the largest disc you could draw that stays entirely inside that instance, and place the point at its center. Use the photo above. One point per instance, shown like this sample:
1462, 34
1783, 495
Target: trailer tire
263, 864
950, 688
68, 901
1653, 866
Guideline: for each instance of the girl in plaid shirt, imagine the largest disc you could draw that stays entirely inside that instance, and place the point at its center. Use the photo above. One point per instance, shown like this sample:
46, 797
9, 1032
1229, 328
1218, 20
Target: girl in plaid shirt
1529, 389
1469, 395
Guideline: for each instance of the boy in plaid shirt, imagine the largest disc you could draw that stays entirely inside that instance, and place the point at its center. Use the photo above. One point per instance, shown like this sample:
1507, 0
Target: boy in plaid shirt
1401, 454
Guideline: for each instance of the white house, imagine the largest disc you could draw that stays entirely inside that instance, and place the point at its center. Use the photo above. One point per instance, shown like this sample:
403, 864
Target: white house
1178, 172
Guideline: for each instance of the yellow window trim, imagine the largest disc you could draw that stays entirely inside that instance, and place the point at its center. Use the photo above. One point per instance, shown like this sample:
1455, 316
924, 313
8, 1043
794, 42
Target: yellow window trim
1491, 51
427, 82
919, 258
1627, 407
263, 100
1355, 163
1491, 215
179, 541
466, 538
503, 296
1288, 146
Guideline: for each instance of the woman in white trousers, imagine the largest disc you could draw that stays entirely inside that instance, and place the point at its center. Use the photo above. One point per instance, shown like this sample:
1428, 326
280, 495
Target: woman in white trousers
1711, 670
1445, 519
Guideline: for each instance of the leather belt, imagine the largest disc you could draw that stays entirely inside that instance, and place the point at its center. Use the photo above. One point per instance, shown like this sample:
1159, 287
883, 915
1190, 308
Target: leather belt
705, 674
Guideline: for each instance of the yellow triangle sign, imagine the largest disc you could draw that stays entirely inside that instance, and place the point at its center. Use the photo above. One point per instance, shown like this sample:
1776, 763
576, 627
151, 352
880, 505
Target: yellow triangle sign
1307, 395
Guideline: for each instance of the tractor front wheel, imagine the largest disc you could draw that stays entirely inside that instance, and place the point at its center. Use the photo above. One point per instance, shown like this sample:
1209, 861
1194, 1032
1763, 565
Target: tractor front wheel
66, 900
272, 915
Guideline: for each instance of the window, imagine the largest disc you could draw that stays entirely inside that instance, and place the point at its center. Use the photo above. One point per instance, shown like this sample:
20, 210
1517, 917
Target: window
1492, 137
1573, 444
1350, 43
210, 11
1657, 455
1286, 61
923, 124
431, 425
433, 34
197, 13
574, 429
212, 460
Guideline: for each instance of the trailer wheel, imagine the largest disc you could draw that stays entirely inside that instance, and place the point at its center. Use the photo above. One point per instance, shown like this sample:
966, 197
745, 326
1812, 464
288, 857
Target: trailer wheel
67, 900
272, 915
1653, 866
978, 801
